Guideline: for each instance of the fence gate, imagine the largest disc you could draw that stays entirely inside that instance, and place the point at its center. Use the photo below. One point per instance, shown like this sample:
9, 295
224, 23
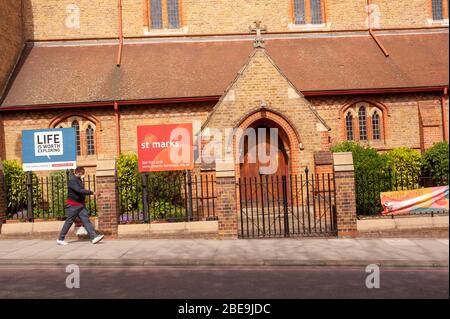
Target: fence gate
285, 206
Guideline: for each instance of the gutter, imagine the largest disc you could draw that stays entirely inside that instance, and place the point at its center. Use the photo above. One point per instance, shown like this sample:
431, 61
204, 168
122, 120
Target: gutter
119, 53
374, 37
213, 98
117, 116
444, 117
375, 91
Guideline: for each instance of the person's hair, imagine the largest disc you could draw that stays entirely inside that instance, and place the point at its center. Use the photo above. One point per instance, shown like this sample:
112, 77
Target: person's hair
79, 169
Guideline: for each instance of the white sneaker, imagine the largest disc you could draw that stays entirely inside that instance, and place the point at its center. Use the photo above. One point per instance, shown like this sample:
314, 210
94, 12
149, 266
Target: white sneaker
97, 239
62, 242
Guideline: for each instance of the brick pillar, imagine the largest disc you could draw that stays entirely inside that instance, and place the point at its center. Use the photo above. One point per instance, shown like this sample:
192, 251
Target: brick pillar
107, 202
226, 204
2, 195
344, 174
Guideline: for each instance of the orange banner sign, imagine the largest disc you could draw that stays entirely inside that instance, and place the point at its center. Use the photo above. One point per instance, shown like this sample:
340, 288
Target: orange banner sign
433, 199
166, 147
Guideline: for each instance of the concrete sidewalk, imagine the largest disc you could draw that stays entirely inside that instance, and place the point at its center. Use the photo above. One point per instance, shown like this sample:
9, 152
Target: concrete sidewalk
298, 252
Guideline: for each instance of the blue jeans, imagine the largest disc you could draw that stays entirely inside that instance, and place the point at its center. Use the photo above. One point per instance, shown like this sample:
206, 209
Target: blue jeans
72, 212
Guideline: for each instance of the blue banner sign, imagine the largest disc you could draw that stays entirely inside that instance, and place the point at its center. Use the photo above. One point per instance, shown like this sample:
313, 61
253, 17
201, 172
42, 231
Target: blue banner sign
49, 149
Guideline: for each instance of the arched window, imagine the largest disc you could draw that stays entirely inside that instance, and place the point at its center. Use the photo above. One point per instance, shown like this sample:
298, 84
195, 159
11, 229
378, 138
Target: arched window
369, 120
90, 140
376, 126
308, 11
349, 126
439, 10
164, 14
85, 133
75, 124
316, 12
362, 124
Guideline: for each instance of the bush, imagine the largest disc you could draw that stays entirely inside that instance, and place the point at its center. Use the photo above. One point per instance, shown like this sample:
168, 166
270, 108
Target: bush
57, 194
370, 167
435, 163
16, 188
164, 190
367, 161
405, 166
129, 182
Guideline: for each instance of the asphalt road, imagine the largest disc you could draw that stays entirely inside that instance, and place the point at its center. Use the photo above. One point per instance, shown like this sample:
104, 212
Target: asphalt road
220, 282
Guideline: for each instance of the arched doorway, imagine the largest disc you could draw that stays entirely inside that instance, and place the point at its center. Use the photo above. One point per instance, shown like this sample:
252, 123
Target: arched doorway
275, 149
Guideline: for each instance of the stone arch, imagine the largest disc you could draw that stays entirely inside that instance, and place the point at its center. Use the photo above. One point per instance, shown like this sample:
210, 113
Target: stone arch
289, 136
89, 120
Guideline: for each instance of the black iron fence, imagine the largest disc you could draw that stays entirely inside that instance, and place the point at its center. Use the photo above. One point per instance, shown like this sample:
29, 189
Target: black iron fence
283, 206
370, 186
29, 197
167, 197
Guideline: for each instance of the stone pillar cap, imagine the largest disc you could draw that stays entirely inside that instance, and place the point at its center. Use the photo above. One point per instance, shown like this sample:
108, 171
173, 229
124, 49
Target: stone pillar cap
343, 162
106, 168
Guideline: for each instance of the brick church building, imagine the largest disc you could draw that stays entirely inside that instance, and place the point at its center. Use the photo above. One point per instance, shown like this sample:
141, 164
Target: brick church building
321, 71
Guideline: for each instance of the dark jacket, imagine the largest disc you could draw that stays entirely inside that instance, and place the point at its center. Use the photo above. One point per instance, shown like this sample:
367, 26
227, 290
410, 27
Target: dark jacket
76, 191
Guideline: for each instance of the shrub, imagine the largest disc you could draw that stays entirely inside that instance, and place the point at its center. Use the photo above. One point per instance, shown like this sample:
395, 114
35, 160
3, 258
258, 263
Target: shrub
164, 190
367, 161
405, 165
435, 163
129, 182
370, 167
57, 193
16, 188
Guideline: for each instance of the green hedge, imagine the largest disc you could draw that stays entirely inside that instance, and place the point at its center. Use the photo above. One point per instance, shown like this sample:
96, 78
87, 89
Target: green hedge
435, 163
164, 190
370, 166
405, 165
400, 168
16, 188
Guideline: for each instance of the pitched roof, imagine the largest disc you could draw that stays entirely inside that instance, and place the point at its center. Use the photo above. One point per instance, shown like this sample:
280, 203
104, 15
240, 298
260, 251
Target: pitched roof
88, 73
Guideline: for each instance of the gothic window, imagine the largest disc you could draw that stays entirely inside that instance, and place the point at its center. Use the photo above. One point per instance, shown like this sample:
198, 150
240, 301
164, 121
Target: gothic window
173, 13
349, 126
308, 11
76, 126
439, 9
164, 14
362, 123
316, 12
85, 133
299, 10
90, 140
156, 14
376, 126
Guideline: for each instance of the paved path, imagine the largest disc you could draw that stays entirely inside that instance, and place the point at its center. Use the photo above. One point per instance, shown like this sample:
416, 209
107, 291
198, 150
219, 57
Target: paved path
201, 282
299, 252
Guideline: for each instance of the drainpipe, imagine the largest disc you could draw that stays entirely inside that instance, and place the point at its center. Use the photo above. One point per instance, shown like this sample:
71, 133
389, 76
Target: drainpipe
444, 117
119, 54
116, 111
374, 37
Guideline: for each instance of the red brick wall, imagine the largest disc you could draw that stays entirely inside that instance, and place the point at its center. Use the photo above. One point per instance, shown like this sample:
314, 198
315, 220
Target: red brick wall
107, 205
226, 209
402, 125
345, 203
2, 196
130, 117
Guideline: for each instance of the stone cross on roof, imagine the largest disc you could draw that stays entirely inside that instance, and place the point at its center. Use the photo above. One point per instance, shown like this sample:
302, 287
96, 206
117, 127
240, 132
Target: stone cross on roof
259, 41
